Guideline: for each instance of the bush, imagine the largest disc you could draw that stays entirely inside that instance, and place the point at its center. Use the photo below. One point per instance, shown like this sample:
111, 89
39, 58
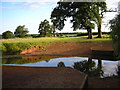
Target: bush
7, 35
115, 34
4, 49
14, 48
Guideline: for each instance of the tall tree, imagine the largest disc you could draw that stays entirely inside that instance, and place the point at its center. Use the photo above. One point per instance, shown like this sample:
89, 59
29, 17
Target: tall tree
82, 13
115, 34
53, 30
7, 35
44, 28
21, 31
100, 9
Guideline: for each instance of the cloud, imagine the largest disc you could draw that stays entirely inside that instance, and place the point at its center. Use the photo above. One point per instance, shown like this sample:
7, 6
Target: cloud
2, 7
36, 4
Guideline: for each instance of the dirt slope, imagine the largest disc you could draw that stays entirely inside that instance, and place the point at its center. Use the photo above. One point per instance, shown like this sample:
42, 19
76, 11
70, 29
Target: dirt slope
72, 49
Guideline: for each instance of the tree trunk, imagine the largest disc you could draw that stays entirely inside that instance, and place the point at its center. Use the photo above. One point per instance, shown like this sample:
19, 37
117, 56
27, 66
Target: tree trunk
99, 31
89, 33
99, 64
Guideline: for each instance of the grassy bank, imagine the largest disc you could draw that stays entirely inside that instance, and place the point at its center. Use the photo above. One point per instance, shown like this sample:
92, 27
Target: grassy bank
14, 46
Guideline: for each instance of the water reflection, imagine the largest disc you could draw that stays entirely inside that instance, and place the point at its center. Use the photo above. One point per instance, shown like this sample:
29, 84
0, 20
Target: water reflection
93, 67
26, 59
88, 67
61, 64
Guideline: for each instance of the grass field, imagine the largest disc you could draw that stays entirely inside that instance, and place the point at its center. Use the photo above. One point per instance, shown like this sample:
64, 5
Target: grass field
16, 45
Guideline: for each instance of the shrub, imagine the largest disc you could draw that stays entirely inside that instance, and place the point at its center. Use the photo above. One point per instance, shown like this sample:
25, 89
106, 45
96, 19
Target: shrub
3, 49
115, 34
14, 48
7, 35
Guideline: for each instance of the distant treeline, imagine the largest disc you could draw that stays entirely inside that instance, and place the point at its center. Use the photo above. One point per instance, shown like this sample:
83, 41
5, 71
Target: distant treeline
94, 33
64, 34
68, 33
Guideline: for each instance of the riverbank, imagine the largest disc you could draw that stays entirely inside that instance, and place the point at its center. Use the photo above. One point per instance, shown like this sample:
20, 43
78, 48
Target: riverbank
49, 46
71, 49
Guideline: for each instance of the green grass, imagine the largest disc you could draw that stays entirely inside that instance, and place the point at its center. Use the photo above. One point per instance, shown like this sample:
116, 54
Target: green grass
13, 46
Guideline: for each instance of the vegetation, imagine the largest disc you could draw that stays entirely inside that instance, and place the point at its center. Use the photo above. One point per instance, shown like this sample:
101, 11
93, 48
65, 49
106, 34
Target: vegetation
100, 9
14, 46
7, 35
21, 31
45, 29
83, 14
115, 34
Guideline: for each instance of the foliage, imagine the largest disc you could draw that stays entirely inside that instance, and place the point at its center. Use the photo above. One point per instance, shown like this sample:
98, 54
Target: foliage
115, 34
21, 31
4, 49
13, 48
100, 9
61, 64
45, 29
7, 35
10, 46
82, 13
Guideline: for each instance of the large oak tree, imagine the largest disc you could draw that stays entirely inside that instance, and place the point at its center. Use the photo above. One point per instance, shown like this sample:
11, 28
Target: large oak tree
84, 15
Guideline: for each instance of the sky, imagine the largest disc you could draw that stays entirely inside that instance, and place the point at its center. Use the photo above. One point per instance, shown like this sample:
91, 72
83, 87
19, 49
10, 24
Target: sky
30, 13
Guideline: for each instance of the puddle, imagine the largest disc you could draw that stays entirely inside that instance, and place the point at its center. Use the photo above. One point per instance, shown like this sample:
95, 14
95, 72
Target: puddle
90, 66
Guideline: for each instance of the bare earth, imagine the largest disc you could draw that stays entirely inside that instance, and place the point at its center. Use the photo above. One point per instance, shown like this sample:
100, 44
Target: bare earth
71, 49
42, 77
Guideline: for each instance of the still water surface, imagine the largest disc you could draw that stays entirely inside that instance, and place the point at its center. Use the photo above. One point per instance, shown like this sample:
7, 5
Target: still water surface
108, 67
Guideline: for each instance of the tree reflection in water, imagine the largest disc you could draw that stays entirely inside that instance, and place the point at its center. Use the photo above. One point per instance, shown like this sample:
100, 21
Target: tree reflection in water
118, 69
89, 67
61, 64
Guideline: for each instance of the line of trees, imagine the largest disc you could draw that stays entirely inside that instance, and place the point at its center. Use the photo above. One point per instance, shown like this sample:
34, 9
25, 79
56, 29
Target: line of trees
20, 32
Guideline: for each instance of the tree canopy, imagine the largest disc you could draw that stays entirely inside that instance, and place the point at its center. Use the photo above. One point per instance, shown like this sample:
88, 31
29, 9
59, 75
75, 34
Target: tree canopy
45, 29
83, 15
7, 35
21, 31
115, 34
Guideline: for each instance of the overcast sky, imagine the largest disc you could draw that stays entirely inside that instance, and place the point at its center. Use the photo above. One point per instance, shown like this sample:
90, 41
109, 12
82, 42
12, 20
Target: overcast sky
14, 13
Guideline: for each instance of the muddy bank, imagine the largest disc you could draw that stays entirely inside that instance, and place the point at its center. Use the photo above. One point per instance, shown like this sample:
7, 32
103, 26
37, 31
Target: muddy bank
68, 49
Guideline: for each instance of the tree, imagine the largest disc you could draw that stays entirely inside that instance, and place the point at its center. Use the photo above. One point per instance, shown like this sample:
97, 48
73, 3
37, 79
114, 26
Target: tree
115, 34
82, 13
7, 35
44, 27
53, 29
21, 31
100, 9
